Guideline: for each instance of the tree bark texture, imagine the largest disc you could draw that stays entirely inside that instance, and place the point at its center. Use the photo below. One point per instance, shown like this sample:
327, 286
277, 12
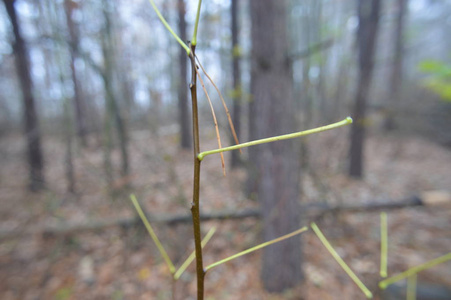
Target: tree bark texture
30, 117
368, 12
237, 90
80, 119
185, 127
276, 165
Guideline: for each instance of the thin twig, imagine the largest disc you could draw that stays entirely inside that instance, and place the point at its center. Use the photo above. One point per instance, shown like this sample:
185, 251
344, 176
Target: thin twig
232, 128
218, 136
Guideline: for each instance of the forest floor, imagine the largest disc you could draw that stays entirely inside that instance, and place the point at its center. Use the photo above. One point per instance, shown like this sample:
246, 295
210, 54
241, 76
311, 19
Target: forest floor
123, 263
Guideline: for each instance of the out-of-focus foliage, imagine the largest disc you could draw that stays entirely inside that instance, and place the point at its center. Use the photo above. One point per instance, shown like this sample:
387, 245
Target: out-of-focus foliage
439, 79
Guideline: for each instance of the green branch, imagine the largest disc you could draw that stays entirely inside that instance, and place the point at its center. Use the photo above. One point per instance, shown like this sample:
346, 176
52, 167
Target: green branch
190, 259
256, 248
152, 234
340, 261
412, 287
194, 39
345, 122
412, 271
168, 27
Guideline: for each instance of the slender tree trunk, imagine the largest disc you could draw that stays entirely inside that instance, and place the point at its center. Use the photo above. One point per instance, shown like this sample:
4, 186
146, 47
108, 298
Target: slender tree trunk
185, 128
396, 71
112, 105
368, 11
68, 159
80, 119
276, 164
237, 90
32, 132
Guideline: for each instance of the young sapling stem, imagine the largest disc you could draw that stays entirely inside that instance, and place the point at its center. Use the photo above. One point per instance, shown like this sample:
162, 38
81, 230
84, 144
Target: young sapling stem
265, 244
196, 24
168, 27
412, 271
411, 287
341, 262
152, 234
190, 259
195, 205
345, 122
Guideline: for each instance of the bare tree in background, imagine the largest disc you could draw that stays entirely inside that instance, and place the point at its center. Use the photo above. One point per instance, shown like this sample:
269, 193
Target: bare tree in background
112, 112
395, 82
368, 12
237, 90
74, 41
276, 164
32, 132
185, 127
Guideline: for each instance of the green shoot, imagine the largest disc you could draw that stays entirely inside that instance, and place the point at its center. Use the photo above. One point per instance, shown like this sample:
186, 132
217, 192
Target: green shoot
265, 244
340, 261
412, 271
194, 39
412, 287
152, 234
168, 27
345, 122
190, 259
384, 245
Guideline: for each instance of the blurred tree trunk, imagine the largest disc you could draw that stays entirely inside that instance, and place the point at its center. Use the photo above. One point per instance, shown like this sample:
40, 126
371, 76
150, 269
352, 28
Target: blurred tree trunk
185, 127
68, 158
368, 12
276, 164
112, 112
74, 40
395, 82
237, 90
32, 132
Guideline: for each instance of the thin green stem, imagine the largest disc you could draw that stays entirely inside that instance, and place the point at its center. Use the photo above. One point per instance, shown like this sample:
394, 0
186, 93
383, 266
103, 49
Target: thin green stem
386, 282
168, 27
384, 244
340, 261
412, 287
265, 244
345, 122
196, 23
152, 234
190, 258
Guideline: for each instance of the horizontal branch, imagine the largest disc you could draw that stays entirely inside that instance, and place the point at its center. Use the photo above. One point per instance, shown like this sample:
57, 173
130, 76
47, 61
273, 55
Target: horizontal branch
345, 122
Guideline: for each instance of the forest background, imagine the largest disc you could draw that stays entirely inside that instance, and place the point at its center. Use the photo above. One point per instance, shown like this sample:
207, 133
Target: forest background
94, 106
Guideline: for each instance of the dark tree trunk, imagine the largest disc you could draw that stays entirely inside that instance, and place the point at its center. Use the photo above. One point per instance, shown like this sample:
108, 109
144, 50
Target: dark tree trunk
396, 71
112, 107
68, 158
80, 119
185, 127
368, 11
276, 164
32, 132
237, 90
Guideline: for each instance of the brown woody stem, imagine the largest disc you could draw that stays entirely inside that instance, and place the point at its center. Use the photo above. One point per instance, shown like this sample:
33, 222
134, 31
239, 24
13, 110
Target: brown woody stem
195, 209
